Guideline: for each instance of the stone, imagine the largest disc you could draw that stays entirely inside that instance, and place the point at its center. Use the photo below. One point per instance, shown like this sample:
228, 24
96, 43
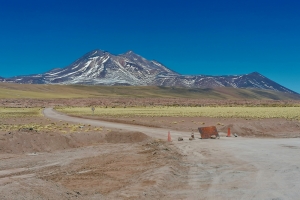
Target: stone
213, 137
180, 139
235, 135
207, 132
191, 138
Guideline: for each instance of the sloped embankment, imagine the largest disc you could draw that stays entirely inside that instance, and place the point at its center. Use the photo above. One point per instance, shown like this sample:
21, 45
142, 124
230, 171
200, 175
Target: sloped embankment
31, 141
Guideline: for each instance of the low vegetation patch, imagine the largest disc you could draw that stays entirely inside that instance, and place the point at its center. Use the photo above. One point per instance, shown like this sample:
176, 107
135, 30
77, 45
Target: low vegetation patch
31, 119
226, 112
19, 112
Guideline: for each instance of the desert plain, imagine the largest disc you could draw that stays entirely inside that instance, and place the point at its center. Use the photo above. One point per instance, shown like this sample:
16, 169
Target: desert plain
53, 146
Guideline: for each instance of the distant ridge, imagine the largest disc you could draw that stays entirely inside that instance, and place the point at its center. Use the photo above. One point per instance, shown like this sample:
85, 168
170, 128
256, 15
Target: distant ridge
233, 95
103, 68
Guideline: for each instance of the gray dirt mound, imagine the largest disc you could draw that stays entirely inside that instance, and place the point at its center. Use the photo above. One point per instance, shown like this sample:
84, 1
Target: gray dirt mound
236, 128
30, 141
265, 128
127, 137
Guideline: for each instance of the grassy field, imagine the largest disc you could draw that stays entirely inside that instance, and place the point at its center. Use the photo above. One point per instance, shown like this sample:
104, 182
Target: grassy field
15, 91
13, 119
6, 113
226, 112
51, 127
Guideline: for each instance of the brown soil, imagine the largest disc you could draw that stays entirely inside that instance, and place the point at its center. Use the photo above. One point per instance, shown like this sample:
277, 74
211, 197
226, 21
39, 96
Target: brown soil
276, 127
116, 164
107, 164
32, 141
111, 171
131, 137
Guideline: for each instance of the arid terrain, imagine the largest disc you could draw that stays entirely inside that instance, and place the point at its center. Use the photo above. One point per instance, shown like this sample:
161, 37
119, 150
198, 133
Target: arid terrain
46, 154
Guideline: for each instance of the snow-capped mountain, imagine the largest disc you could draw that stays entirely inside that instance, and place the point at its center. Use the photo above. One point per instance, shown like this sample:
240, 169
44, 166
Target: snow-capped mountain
102, 68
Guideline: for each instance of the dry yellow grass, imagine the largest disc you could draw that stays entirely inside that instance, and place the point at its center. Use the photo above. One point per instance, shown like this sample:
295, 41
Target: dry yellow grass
47, 128
44, 91
11, 120
226, 112
19, 112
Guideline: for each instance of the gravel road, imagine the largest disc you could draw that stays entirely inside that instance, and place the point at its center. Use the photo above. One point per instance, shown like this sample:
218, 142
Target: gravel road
152, 132
228, 168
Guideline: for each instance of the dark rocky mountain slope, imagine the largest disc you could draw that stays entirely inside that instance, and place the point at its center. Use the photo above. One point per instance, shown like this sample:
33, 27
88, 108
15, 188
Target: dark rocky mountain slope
102, 68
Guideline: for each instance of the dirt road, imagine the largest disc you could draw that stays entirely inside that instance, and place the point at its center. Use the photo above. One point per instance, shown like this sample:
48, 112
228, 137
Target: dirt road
95, 165
229, 168
152, 132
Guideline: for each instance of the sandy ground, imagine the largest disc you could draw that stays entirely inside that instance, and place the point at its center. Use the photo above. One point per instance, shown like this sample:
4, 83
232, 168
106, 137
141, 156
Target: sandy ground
117, 166
275, 127
106, 171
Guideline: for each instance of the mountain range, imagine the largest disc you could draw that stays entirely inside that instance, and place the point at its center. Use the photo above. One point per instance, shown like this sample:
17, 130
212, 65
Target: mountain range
103, 68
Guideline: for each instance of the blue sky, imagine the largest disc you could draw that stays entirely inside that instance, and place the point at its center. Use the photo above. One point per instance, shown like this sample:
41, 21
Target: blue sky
191, 37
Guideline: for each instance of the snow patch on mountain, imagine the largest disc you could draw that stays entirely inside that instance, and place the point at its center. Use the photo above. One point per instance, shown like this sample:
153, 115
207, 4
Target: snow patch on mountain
102, 68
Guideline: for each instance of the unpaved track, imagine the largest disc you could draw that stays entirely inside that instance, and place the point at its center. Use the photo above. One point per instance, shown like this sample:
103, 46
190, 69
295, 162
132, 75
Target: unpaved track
152, 132
229, 168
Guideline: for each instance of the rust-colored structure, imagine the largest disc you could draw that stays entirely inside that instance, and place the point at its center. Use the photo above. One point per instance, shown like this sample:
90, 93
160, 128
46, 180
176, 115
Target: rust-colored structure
207, 132
228, 133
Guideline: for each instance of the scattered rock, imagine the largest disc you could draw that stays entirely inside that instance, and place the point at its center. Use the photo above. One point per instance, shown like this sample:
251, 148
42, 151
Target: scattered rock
191, 138
213, 137
180, 139
235, 135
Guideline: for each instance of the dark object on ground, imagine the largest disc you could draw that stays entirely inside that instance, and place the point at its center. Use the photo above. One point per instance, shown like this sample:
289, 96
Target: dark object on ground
180, 139
207, 132
235, 135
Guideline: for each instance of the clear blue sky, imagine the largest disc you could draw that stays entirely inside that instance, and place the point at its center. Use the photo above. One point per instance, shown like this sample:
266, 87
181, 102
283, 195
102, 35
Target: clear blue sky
191, 37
